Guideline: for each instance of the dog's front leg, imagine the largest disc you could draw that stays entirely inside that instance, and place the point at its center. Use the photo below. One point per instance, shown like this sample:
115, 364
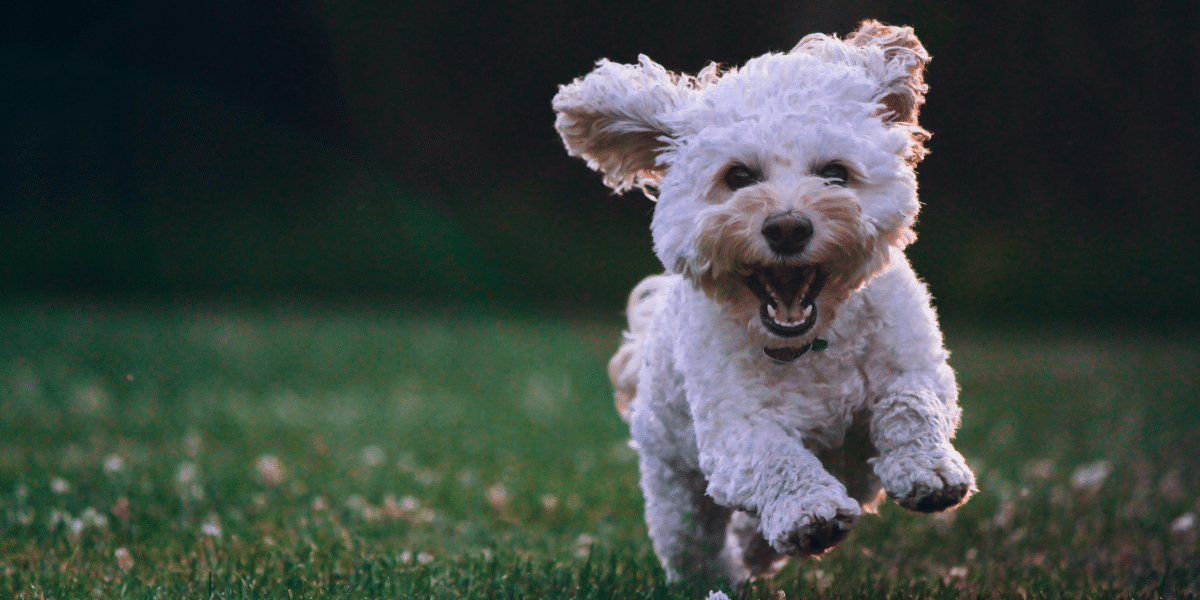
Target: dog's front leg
755, 464
918, 466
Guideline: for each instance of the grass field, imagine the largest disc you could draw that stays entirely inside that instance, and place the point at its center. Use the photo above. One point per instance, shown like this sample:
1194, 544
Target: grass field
321, 453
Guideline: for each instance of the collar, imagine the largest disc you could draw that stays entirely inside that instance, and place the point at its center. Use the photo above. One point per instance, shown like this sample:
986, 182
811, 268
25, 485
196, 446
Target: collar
782, 356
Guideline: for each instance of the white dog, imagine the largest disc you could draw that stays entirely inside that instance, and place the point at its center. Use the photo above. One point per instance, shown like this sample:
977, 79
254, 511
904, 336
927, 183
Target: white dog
788, 369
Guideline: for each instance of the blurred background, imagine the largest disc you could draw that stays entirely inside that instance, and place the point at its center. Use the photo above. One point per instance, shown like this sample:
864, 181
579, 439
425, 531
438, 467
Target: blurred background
391, 151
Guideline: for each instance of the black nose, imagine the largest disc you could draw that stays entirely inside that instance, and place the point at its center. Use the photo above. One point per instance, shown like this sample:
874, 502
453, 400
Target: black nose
787, 233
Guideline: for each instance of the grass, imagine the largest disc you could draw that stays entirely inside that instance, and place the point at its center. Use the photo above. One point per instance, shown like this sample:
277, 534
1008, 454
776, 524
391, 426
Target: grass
321, 453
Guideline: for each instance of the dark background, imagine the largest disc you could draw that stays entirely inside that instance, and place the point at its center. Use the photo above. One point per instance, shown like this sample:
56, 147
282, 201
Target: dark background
405, 152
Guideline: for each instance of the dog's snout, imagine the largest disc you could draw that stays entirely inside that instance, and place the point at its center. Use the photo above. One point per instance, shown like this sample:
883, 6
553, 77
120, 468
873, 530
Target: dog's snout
787, 233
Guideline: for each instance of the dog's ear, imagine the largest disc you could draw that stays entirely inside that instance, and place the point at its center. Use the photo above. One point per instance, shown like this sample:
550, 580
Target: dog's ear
904, 73
614, 119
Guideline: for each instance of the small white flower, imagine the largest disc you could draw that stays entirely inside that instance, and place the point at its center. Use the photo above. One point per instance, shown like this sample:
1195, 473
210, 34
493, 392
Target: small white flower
373, 456
716, 595
406, 556
408, 503
124, 558
583, 545
372, 513
497, 496
211, 526
58, 485
550, 502
113, 463
270, 470
187, 482
959, 572
424, 558
1184, 523
186, 473
1090, 477
92, 518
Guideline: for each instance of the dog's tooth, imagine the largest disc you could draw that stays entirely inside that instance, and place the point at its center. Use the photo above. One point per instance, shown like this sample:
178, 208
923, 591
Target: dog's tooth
771, 311
808, 311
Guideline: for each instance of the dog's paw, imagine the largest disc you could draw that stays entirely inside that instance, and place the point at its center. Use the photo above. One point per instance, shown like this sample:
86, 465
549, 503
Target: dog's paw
817, 529
926, 480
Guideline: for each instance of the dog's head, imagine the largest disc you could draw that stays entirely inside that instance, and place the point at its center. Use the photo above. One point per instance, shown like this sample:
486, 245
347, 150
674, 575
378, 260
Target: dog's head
782, 186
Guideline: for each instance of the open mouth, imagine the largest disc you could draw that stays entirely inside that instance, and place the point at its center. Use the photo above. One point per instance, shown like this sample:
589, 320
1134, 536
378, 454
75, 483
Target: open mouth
787, 294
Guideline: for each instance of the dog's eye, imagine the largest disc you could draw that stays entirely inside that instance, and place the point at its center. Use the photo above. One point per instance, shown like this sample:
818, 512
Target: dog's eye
739, 176
839, 174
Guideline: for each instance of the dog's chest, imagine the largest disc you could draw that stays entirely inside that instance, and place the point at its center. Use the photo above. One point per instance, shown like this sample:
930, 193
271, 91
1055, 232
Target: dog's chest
818, 394
824, 393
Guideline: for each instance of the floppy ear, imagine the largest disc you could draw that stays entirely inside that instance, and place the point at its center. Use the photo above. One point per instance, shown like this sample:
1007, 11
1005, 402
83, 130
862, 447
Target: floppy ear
614, 119
904, 72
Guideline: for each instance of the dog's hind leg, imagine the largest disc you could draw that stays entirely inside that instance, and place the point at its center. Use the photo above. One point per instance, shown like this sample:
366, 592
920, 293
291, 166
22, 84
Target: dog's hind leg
688, 529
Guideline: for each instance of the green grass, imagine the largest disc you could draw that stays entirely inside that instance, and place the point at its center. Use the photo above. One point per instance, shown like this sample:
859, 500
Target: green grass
323, 453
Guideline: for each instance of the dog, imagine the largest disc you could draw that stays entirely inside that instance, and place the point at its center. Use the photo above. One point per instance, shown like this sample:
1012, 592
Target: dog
788, 369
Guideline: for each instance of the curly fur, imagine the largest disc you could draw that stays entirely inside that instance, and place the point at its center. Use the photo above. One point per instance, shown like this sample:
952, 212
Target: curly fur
751, 447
